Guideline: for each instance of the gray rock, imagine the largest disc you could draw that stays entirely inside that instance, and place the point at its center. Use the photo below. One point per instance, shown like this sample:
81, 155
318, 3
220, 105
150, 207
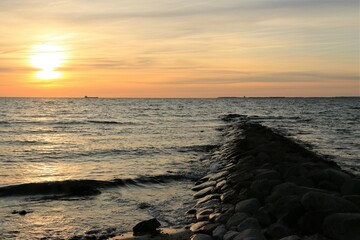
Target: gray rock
351, 187
218, 175
219, 232
148, 226
203, 185
292, 237
268, 174
263, 217
230, 235
191, 212
337, 176
280, 191
250, 234
327, 185
220, 184
317, 201
236, 219
203, 192
287, 208
213, 217
248, 223
249, 206
260, 188
204, 215
277, 230
355, 199
311, 222
201, 236
302, 181
223, 218
197, 226
342, 226
207, 198
229, 197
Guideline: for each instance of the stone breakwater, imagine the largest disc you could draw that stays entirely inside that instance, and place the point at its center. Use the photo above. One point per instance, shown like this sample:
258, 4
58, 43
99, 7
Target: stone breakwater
268, 187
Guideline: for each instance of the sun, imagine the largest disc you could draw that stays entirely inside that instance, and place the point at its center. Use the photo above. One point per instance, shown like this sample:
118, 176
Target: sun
47, 57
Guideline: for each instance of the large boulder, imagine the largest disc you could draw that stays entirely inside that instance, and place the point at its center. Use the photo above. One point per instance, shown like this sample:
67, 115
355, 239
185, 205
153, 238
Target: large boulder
144, 227
236, 219
342, 226
351, 187
249, 206
318, 201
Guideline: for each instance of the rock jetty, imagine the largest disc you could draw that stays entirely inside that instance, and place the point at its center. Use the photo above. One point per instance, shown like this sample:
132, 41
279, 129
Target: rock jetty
268, 187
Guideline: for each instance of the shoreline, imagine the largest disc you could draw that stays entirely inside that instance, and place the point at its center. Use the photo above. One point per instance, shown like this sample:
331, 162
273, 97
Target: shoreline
267, 186
270, 187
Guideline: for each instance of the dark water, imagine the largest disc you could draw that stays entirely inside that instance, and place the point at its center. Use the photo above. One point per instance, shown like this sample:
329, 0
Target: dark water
137, 151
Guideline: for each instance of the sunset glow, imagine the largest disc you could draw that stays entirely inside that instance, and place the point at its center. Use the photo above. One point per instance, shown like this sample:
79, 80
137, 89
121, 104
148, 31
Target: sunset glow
47, 58
179, 48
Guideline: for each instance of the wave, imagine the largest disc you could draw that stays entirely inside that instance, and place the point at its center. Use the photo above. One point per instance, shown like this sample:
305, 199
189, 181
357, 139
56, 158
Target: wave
73, 122
197, 148
86, 187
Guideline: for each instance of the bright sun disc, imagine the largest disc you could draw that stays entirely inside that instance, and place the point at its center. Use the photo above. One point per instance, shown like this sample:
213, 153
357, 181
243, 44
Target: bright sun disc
47, 57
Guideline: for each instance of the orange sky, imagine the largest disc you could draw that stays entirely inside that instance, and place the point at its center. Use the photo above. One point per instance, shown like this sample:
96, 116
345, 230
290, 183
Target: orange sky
140, 48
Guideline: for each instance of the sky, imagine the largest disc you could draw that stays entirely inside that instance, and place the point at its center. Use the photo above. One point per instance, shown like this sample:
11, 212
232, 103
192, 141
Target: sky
179, 48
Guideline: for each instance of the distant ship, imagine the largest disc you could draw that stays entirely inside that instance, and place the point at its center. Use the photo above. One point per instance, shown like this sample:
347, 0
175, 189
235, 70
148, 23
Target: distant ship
90, 97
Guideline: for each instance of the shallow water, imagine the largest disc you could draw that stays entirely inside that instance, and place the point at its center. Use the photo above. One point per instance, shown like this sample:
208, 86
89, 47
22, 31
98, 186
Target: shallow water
45, 140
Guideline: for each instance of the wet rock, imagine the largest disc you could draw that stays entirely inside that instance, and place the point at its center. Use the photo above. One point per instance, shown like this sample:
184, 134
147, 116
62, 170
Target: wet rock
220, 184
229, 197
218, 175
355, 199
196, 226
277, 230
93, 231
204, 215
248, 223
260, 188
337, 177
262, 157
317, 201
311, 222
230, 235
318, 175
201, 236
213, 203
191, 212
203, 192
143, 205
351, 187
236, 219
327, 185
208, 197
227, 207
248, 206
268, 174
281, 190
263, 217
219, 232
203, 185
302, 181
285, 206
250, 234
21, 212
223, 218
342, 226
292, 237
294, 170
148, 226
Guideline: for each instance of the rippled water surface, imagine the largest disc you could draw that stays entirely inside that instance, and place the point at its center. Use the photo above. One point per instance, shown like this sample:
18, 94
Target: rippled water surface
45, 140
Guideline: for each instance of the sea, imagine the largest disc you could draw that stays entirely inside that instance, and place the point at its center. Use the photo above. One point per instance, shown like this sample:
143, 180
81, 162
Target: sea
143, 155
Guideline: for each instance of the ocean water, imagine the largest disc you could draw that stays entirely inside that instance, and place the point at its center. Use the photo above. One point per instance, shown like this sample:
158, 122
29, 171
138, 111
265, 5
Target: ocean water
142, 154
